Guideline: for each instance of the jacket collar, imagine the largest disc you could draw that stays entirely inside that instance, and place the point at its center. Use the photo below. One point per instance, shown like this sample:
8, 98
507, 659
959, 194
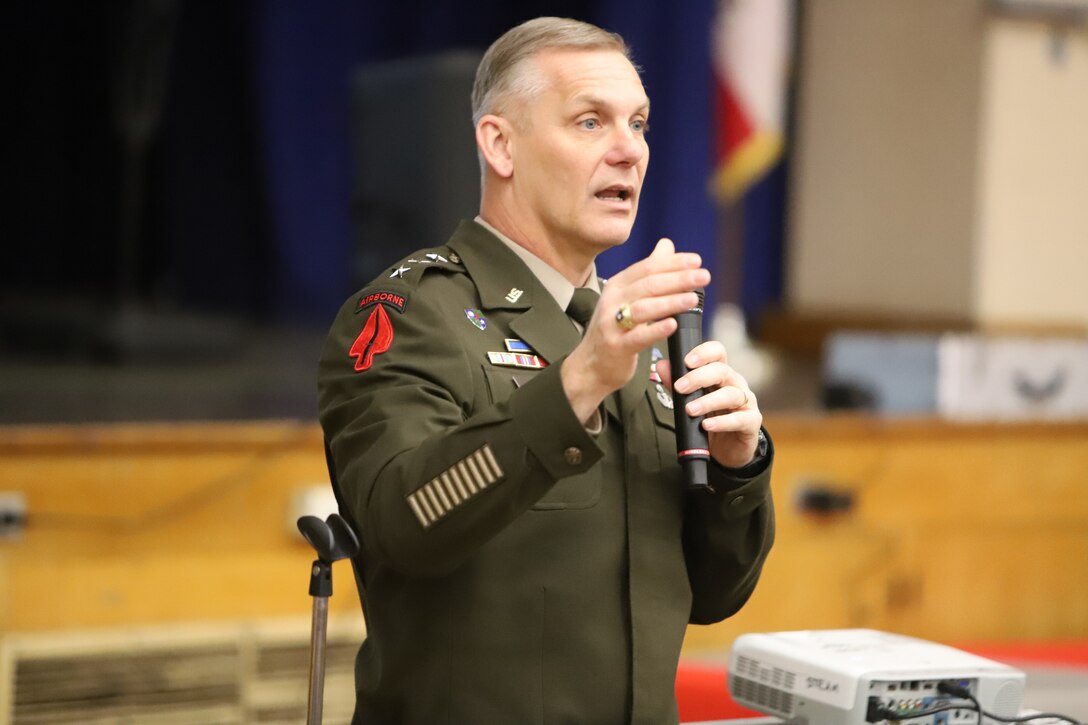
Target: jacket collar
496, 271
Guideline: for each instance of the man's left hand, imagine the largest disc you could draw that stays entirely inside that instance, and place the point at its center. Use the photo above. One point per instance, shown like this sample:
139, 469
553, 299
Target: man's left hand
732, 412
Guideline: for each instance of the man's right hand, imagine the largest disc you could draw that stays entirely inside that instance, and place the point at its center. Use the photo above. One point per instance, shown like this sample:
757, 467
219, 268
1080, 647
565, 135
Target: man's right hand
655, 289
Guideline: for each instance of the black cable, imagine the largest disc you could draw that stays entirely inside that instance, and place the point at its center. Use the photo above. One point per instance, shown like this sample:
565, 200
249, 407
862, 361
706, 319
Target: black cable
887, 713
881, 712
893, 716
1038, 716
950, 688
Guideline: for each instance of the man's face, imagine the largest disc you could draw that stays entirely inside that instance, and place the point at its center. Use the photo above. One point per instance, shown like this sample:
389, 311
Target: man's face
579, 150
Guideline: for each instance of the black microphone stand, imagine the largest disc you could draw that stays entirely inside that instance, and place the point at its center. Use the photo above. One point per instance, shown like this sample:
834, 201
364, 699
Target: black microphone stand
333, 540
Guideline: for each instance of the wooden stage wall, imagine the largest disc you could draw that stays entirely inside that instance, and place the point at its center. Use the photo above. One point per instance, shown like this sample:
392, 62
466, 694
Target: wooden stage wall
954, 532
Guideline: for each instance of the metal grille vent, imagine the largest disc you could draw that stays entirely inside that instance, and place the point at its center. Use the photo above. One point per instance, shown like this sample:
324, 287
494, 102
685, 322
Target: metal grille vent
774, 676
761, 696
277, 692
1008, 699
93, 687
243, 672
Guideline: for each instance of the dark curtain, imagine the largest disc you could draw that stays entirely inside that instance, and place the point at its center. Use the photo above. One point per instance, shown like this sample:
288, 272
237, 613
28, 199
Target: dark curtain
671, 43
248, 176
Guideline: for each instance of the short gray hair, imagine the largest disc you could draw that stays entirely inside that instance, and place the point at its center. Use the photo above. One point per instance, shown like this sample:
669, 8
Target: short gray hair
504, 71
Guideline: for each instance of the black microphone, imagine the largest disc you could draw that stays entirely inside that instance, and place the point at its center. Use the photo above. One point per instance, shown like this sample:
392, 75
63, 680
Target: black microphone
692, 449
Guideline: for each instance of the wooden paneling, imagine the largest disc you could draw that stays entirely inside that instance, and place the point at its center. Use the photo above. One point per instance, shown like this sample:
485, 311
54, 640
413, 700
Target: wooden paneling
139, 524
957, 532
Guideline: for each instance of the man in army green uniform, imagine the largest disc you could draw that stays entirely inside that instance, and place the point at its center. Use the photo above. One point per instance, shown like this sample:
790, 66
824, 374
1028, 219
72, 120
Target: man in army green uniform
504, 443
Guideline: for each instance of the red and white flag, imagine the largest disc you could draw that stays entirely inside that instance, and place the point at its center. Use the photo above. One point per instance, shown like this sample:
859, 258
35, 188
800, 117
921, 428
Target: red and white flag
751, 49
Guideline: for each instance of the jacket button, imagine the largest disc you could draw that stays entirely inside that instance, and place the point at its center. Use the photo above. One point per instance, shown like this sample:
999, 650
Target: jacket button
737, 501
573, 455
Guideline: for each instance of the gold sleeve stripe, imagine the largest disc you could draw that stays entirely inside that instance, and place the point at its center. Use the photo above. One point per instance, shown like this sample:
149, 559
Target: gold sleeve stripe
455, 486
478, 461
494, 464
436, 486
481, 480
421, 503
461, 487
470, 481
432, 513
447, 484
433, 500
481, 463
473, 462
418, 511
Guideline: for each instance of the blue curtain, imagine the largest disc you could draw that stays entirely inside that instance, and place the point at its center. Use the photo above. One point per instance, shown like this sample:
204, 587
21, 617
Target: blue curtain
306, 52
249, 179
763, 240
671, 44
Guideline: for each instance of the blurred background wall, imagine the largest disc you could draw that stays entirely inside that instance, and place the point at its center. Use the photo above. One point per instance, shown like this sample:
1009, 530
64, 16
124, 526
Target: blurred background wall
938, 155
196, 187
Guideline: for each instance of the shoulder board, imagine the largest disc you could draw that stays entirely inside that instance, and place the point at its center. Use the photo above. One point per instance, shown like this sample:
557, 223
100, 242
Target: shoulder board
394, 285
412, 268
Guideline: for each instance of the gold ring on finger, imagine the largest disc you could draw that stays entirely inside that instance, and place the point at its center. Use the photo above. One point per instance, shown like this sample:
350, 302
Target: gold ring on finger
624, 318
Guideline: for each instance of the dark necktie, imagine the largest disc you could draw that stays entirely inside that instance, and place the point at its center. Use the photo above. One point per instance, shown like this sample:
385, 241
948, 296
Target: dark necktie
582, 305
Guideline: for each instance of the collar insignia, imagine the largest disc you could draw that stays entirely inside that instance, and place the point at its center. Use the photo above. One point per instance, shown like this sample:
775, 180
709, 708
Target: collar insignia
663, 397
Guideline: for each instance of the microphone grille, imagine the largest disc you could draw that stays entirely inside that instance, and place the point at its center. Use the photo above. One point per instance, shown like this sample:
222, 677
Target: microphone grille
702, 298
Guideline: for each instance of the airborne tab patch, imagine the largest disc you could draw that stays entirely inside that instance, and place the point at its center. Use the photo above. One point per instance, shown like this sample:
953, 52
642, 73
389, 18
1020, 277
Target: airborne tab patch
392, 299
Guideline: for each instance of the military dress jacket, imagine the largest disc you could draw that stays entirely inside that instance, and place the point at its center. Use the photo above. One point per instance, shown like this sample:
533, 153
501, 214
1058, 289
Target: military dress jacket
516, 568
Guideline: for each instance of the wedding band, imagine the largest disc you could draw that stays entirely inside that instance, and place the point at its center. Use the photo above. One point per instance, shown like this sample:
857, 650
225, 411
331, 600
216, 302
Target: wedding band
745, 398
624, 318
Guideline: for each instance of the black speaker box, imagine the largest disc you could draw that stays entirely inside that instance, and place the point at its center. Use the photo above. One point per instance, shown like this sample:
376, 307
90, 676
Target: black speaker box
416, 170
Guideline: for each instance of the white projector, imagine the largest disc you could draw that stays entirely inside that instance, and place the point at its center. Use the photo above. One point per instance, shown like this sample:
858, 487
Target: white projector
855, 676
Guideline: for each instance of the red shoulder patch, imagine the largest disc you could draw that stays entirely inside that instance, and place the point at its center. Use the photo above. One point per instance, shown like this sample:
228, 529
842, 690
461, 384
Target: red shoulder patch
376, 337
